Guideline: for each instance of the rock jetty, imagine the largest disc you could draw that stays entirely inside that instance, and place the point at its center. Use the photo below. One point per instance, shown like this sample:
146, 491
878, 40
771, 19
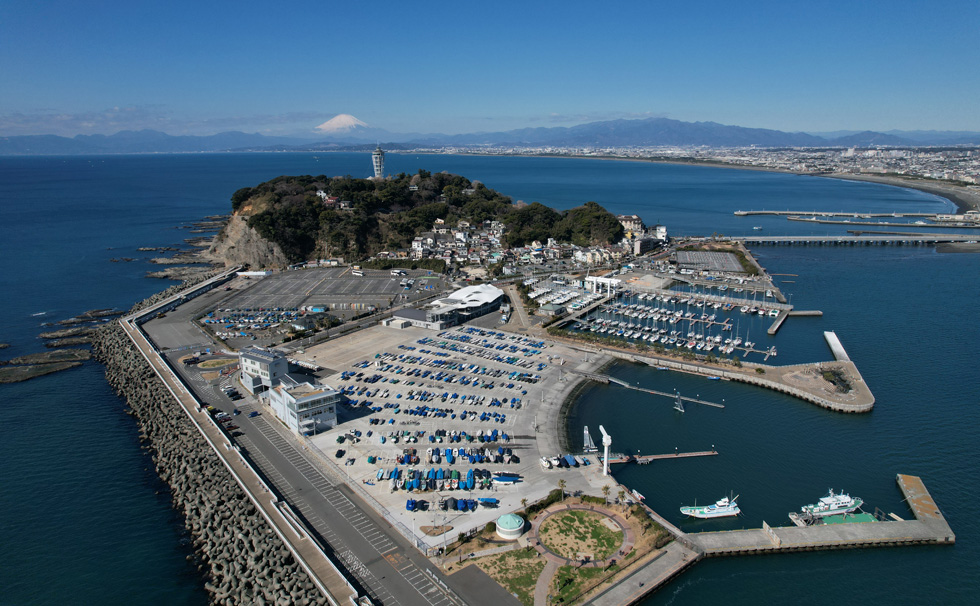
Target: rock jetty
242, 559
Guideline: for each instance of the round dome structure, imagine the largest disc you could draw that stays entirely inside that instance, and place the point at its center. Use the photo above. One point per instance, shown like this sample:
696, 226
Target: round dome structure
510, 526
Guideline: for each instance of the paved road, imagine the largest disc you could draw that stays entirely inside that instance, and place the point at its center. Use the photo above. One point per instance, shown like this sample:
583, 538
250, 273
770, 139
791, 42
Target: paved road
386, 566
321, 569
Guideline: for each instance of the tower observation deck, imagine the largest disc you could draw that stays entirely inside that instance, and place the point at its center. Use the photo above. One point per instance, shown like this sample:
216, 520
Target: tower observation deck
378, 159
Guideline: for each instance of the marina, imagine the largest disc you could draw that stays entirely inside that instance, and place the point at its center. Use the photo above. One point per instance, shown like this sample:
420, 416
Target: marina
696, 322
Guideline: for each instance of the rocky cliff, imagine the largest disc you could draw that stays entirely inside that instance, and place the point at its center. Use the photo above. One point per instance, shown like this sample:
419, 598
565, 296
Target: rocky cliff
239, 244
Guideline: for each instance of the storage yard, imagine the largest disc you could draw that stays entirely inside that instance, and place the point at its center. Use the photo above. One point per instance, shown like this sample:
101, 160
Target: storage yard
465, 388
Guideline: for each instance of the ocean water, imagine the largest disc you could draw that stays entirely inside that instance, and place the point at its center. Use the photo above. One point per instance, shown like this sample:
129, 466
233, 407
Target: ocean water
86, 520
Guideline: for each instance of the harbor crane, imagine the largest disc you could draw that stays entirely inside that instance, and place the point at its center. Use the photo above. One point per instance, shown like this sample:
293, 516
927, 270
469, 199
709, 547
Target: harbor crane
606, 443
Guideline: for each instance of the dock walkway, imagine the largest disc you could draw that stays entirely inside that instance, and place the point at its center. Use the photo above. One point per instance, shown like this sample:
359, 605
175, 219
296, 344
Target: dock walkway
622, 383
929, 527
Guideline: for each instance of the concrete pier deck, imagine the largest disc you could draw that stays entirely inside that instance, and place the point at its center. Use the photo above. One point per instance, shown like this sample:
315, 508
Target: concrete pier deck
929, 527
838, 350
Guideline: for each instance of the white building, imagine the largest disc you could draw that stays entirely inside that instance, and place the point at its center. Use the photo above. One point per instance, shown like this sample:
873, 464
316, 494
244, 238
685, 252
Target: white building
305, 407
262, 369
461, 306
378, 159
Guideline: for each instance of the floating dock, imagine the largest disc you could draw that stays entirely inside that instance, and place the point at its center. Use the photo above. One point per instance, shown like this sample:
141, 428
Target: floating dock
929, 528
660, 393
838, 350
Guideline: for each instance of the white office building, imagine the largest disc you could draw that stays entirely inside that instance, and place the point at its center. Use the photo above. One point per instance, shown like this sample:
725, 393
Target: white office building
305, 407
262, 369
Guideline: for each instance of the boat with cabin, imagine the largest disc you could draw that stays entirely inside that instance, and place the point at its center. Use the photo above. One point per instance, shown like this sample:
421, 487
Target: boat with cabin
832, 504
722, 508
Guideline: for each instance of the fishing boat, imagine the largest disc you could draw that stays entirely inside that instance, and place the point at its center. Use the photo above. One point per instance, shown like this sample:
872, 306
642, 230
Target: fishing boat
832, 504
721, 509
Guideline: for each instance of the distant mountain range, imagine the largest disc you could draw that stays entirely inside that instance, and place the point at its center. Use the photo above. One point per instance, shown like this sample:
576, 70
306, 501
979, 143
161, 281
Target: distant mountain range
347, 132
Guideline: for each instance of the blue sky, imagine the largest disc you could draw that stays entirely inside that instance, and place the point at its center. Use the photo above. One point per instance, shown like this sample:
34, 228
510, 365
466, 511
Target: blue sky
69, 67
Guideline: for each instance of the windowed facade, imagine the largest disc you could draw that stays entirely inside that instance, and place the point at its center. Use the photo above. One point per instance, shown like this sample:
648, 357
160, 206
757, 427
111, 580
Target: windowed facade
305, 407
262, 369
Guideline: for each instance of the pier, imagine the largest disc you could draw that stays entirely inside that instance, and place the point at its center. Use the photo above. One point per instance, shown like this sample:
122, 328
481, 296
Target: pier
620, 382
838, 350
783, 314
645, 459
929, 528
809, 219
853, 240
794, 213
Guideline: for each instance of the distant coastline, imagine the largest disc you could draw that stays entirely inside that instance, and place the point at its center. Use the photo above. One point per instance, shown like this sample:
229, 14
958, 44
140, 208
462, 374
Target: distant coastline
963, 198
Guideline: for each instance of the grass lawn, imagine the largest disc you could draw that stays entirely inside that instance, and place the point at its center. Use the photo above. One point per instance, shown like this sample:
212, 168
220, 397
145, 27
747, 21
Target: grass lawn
569, 581
516, 571
216, 363
573, 533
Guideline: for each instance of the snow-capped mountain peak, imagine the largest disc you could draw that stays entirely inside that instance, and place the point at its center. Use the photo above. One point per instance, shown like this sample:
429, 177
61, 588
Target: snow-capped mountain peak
341, 123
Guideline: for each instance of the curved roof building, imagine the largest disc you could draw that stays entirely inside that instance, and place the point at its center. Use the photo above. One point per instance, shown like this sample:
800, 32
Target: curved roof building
463, 305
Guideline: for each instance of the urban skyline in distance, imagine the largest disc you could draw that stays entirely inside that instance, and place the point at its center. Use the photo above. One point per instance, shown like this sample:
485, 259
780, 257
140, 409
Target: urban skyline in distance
437, 67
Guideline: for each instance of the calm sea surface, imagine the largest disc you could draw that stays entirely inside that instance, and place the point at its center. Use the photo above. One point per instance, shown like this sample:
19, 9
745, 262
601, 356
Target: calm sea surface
85, 519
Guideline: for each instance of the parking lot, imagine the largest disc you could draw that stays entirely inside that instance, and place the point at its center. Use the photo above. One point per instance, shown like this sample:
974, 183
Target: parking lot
336, 289
260, 310
415, 389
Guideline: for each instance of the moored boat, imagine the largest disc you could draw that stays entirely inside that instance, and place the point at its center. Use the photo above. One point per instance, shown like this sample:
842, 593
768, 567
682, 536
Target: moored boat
722, 508
832, 504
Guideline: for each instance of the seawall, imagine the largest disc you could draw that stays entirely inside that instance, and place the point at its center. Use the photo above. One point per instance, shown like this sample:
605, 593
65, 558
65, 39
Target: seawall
239, 554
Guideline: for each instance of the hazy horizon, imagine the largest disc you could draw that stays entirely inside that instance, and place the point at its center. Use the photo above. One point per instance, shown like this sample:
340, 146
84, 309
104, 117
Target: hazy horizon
433, 67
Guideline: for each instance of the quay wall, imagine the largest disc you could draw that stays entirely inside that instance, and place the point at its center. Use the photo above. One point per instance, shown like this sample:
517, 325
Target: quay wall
713, 371
237, 552
756, 380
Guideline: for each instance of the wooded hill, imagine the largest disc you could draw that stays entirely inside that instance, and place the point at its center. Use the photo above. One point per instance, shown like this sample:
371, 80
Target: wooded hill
389, 214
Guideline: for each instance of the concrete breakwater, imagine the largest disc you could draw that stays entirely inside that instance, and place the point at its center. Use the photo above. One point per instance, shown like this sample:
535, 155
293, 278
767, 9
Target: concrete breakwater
243, 560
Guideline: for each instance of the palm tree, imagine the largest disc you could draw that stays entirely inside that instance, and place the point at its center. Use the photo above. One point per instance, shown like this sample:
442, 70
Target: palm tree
524, 504
622, 497
561, 486
605, 493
